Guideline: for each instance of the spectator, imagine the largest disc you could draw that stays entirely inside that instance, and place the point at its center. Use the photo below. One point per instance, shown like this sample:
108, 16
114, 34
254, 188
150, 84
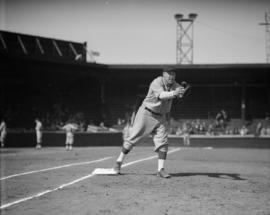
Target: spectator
243, 130
264, 130
172, 126
268, 130
197, 126
229, 130
210, 130
235, 131
258, 129
222, 119
202, 128
179, 131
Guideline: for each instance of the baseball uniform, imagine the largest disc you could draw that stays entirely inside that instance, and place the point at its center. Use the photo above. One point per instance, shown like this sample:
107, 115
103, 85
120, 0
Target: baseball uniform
70, 129
151, 116
38, 129
3, 130
151, 119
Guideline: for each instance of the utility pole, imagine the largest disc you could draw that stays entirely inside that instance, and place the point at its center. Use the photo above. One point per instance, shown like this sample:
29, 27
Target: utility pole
184, 38
267, 35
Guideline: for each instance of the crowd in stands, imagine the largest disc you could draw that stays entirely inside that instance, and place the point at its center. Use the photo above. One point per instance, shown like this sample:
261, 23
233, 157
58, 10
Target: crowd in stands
53, 119
220, 125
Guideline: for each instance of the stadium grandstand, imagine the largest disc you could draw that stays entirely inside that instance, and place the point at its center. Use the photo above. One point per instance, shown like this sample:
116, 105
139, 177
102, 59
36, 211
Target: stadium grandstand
42, 47
45, 77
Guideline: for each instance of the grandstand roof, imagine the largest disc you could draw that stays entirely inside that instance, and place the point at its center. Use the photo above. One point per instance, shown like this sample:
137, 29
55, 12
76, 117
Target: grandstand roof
190, 66
198, 73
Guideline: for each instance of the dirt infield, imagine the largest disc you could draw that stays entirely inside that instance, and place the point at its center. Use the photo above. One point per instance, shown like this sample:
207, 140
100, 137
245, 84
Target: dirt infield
204, 181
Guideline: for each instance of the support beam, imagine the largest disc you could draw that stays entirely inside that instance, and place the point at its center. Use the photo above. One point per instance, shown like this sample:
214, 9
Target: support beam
22, 44
77, 56
39, 46
73, 49
3, 42
57, 48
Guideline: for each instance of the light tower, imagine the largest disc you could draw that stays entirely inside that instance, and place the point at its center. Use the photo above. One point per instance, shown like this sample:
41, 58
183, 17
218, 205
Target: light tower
184, 38
267, 35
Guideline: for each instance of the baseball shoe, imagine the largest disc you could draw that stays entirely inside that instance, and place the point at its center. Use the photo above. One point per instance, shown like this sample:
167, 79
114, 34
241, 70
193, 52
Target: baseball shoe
117, 167
163, 174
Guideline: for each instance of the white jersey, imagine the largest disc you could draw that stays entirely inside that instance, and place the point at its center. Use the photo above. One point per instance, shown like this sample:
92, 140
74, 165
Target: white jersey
70, 128
38, 129
38, 126
152, 100
3, 128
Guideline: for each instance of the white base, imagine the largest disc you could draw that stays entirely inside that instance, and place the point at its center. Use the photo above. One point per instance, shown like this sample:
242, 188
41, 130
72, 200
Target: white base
104, 171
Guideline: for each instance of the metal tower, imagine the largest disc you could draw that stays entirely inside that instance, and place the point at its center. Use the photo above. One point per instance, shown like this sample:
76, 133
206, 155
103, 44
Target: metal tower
267, 35
184, 38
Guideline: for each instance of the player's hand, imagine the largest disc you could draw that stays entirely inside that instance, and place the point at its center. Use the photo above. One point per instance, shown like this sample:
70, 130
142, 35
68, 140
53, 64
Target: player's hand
183, 90
179, 92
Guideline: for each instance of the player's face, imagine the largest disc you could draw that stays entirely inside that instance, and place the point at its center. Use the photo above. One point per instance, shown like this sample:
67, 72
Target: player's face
169, 77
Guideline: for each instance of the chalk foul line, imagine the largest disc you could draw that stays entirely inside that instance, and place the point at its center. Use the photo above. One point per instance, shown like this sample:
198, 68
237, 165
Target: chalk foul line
53, 168
4, 206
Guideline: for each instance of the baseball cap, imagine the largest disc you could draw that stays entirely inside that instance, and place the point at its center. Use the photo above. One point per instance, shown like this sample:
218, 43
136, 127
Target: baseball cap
169, 69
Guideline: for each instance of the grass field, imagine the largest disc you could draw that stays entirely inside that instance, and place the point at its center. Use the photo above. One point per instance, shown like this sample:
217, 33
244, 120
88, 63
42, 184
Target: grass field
204, 181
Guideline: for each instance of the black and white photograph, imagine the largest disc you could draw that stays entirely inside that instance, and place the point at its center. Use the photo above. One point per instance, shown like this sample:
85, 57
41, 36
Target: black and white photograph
134, 107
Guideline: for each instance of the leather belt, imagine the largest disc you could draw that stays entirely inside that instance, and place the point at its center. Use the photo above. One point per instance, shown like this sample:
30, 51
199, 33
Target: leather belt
158, 114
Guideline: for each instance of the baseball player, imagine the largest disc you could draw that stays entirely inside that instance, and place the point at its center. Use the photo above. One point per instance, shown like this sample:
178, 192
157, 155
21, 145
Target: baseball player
3, 130
186, 135
151, 119
38, 129
70, 129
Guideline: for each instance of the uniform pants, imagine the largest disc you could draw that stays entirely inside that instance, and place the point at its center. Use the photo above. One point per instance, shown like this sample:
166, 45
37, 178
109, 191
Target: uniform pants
39, 136
147, 123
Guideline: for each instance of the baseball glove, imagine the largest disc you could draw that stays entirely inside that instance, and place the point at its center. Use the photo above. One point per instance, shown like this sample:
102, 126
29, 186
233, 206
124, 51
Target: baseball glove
187, 88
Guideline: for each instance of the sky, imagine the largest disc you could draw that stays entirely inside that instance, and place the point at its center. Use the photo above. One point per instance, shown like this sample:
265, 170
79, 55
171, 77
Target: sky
144, 31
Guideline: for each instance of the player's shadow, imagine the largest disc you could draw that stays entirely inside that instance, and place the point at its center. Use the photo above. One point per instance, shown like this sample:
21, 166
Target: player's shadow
232, 176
